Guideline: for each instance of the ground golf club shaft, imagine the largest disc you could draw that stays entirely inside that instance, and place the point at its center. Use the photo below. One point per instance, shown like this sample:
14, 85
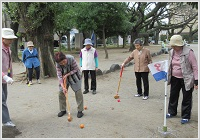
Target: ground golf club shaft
67, 102
117, 96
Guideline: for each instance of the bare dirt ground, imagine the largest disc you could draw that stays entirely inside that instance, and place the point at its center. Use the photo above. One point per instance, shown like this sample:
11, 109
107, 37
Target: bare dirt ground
34, 109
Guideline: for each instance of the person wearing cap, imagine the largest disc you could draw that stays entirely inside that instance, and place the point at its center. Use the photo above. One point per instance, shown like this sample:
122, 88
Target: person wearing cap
182, 74
67, 68
89, 64
142, 58
31, 60
7, 72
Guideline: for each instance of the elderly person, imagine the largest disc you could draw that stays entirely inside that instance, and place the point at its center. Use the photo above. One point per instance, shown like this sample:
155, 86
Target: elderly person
31, 61
182, 74
89, 64
7, 72
142, 58
67, 68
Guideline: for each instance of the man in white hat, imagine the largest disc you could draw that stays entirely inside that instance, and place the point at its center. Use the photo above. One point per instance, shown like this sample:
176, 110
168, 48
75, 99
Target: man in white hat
7, 73
182, 74
89, 64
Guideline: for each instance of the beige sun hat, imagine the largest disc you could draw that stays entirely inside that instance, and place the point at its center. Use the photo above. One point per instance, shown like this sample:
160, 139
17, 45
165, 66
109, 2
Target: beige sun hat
8, 33
176, 40
30, 43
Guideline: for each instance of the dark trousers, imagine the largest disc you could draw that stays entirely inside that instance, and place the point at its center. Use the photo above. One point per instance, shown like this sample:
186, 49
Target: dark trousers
30, 73
93, 79
145, 79
176, 85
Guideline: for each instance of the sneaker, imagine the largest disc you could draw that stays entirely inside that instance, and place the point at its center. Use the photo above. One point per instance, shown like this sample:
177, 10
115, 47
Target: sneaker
61, 113
38, 81
80, 114
94, 92
169, 116
138, 95
11, 124
30, 82
183, 121
86, 91
145, 97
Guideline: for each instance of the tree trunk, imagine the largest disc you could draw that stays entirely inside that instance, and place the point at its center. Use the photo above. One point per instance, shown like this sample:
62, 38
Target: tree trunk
68, 41
156, 37
190, 36
14, 46
60, 45
134, 35
104, 44
44, 43
146, 38
146, 41
117, 41
124, 41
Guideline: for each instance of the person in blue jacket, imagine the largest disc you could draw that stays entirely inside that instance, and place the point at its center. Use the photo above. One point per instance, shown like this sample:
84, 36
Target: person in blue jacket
31, 60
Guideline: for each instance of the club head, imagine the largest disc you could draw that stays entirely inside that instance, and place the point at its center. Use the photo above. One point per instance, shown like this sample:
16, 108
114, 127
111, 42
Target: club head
116, 96
69, 119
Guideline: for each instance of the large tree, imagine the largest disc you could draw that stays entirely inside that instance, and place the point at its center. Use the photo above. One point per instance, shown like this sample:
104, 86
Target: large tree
182, 14
105, 18
37, 20
150, 16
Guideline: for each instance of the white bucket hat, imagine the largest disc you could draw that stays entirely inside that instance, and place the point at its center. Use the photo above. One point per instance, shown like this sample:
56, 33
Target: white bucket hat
88, 42
8, 33
176, 40
30, 43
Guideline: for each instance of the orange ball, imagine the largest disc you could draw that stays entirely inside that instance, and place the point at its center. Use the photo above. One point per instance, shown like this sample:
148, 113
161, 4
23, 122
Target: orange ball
82, 126
85, 107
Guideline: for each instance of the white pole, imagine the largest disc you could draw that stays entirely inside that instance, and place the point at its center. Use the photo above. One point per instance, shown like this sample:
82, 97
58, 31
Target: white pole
165, 108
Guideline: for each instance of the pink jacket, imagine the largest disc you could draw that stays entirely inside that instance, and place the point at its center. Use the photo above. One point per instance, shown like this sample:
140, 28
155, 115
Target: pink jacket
5, 62
189, 67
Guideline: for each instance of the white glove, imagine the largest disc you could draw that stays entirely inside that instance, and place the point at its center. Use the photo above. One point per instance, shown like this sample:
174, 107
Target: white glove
122, 65
8, 79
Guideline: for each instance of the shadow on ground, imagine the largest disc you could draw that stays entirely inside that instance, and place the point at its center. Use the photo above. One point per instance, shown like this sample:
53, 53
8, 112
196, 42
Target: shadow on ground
10, 132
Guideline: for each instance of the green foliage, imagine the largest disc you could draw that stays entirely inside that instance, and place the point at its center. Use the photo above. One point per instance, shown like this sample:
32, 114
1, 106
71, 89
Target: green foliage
193, 4
65, 16
98, 15
163, 37
39, 11
10, 8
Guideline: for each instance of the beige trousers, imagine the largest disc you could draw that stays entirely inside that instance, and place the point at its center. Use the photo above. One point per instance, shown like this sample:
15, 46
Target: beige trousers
79, 100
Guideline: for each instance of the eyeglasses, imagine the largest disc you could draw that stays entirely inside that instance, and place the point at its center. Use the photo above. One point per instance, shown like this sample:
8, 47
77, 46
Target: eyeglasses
30, 46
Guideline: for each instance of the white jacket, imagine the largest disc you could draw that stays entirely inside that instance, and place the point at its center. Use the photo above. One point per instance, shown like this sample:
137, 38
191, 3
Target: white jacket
88, 60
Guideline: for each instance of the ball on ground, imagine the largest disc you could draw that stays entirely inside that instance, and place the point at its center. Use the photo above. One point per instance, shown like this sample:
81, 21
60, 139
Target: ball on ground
82, 126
